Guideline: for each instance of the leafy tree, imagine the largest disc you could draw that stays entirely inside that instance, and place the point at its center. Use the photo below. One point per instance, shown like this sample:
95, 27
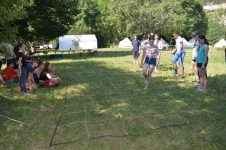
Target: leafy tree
9, 12
47, 19
215, 32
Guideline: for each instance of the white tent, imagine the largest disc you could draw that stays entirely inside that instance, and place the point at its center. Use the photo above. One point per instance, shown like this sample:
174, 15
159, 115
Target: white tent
192, 41
77, 42
125, 43
186, 43
220, 44
164, 43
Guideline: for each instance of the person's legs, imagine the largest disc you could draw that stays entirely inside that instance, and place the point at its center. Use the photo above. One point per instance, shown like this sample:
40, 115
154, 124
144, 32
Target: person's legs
202, 80
151, 66
174, 65
181, 64
135, 58
146, 75
23, 80
195, 71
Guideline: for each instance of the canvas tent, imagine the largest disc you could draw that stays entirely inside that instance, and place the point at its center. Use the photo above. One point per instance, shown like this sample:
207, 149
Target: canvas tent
164, 43
186, 43
220, 44
125, 43
77, 42
192, 41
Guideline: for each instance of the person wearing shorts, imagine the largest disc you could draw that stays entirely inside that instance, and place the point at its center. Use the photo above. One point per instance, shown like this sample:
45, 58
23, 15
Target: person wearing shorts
148, 60
202, 61
135, 49
179, 55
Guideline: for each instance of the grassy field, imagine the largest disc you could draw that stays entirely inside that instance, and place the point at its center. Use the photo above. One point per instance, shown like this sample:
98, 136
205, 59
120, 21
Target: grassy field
101, 104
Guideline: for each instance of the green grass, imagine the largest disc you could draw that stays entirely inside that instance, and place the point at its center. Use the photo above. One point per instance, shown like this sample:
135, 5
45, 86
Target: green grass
101, 104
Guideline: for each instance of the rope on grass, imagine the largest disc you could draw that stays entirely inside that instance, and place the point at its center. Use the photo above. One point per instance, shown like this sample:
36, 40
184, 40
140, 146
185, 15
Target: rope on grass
14, 120
87, 130
176, 125
55, 130
61, 114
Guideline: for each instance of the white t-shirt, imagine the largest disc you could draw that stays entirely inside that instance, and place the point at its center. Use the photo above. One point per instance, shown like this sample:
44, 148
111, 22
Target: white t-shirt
158, 44
178, 45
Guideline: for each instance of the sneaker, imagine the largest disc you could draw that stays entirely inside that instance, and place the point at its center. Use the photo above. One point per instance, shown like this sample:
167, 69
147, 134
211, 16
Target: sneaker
146, 87
145, 84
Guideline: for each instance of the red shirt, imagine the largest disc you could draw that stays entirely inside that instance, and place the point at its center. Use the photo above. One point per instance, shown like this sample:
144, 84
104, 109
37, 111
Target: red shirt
9, 73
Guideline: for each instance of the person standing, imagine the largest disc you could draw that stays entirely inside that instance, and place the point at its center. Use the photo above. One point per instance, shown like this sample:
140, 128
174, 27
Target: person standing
150, 53
194, 56
202, 61
159, 44
135, 49
22, 68
179, 54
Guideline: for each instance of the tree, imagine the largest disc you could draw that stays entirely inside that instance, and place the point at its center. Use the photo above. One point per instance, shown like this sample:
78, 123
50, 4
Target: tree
47, 19
9, 12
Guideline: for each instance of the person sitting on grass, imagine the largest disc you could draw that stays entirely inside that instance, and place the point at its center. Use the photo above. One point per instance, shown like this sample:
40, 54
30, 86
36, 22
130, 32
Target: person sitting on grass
9, 74
47, 77
37, 73
30, 68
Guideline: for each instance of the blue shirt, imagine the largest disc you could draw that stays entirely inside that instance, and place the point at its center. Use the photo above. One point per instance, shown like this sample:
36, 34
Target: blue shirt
136, 45
201, 54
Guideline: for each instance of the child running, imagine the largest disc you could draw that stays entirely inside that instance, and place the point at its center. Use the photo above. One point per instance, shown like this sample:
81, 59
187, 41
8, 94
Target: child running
148, 60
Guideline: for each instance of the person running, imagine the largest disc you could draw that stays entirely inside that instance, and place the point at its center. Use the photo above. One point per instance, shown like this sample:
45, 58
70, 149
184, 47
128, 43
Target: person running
135, 49
159, 44
179, 54
202, 61
148, 60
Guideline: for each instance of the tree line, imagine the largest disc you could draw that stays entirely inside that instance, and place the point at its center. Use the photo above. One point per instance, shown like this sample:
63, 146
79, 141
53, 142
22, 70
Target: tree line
112, 20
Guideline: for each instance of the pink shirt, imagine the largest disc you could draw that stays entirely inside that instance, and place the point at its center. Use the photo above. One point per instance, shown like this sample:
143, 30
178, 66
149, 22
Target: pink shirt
151, 50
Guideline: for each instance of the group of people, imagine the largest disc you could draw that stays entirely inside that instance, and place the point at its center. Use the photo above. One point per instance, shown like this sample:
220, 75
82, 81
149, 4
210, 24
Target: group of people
28, 70
150, 60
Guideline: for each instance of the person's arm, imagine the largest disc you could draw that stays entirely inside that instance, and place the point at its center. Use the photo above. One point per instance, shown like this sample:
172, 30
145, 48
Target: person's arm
142, 57
19, 66
206, 54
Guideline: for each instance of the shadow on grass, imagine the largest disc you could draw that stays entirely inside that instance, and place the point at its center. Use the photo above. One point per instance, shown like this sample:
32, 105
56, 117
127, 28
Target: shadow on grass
84, 55
102, 101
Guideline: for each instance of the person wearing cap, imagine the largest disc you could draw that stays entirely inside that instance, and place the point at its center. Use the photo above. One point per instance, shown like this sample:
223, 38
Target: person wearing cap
202, 61
150, 53
179, 54
135, 49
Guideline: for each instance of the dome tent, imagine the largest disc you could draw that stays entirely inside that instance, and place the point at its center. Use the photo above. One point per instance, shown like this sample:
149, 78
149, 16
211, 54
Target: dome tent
125, 43
220, 44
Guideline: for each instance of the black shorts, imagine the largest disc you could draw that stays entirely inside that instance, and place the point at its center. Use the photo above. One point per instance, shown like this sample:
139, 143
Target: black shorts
150, 61
199, 65
135, 54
